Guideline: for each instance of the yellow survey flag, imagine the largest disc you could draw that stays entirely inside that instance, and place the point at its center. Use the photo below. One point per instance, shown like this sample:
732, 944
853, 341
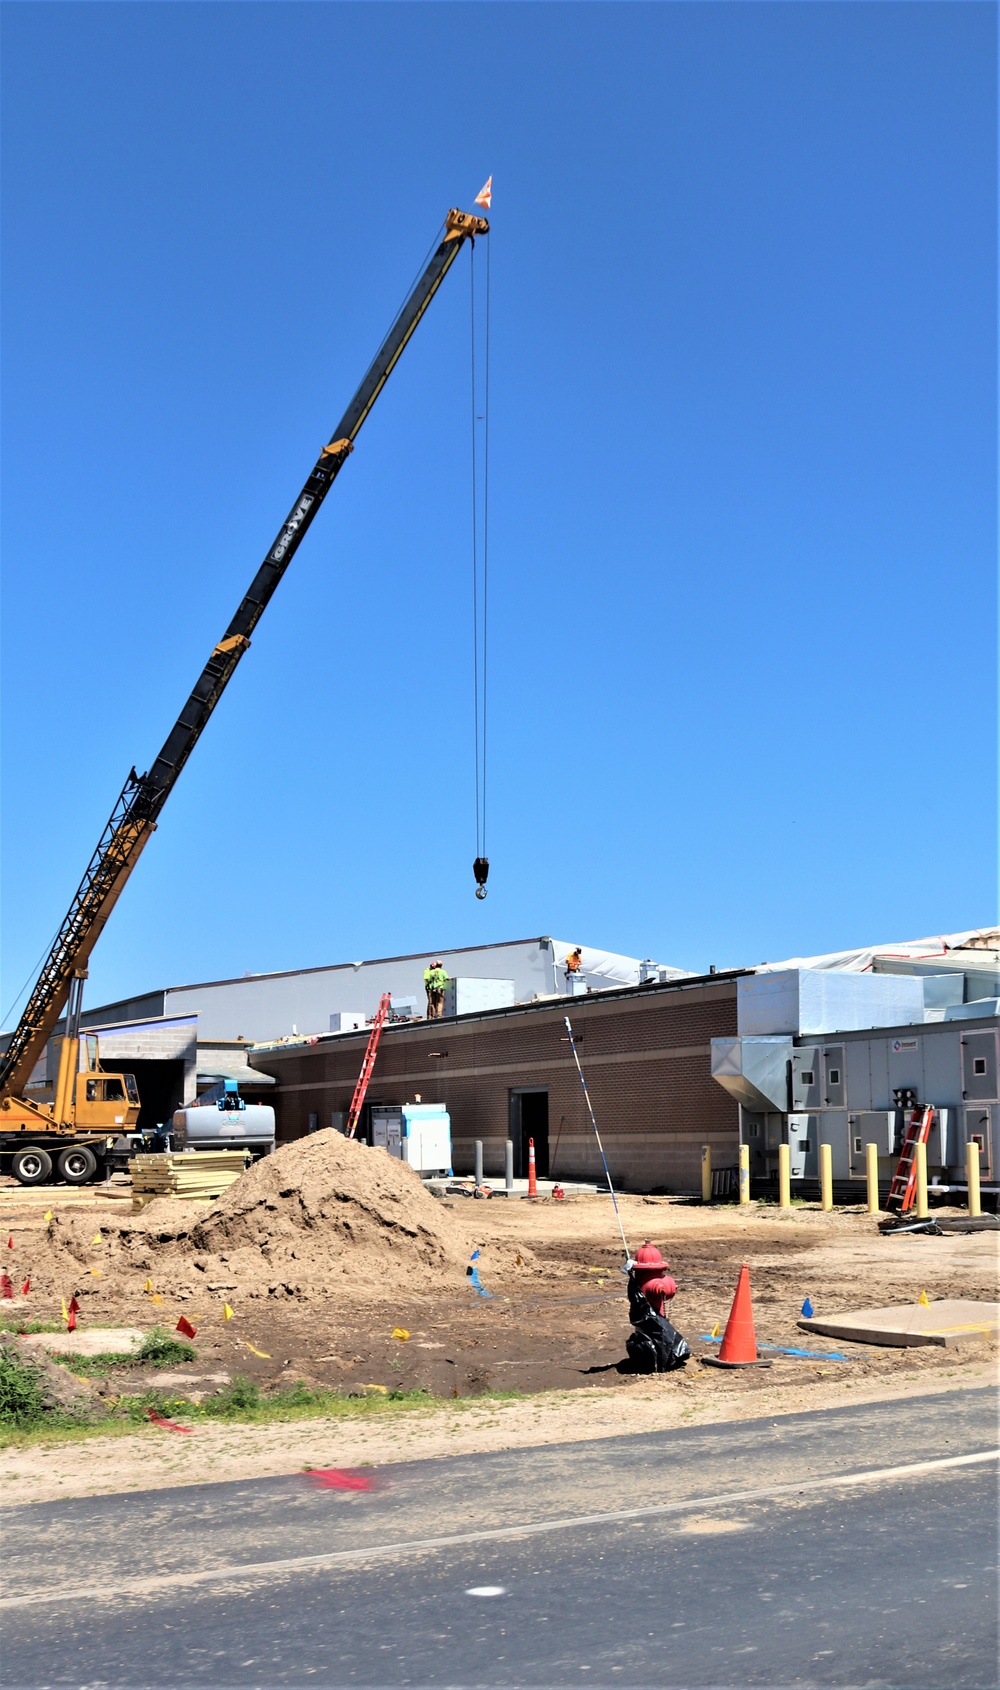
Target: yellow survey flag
47, 1215
227, 1312
97, 1239
262, 1353
65, 1310
715, 1331
148, 1285
156, 1298
401, 1333
96, 1272
924, 1299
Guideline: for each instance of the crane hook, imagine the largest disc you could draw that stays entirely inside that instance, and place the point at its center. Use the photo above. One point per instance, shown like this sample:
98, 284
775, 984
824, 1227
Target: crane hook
481, 869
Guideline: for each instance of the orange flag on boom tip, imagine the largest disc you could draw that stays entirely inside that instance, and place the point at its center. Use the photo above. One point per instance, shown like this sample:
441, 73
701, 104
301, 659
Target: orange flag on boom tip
485, 194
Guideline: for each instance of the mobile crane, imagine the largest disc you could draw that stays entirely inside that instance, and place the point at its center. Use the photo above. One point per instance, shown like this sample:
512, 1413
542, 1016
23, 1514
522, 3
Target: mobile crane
91, 1108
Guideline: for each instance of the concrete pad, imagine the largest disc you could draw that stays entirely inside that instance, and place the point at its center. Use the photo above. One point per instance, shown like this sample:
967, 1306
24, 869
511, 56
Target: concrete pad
96, 1341
951, 1321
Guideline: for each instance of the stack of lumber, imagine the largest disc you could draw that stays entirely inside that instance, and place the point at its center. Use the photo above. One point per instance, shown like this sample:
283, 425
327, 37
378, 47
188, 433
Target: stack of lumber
187, 1175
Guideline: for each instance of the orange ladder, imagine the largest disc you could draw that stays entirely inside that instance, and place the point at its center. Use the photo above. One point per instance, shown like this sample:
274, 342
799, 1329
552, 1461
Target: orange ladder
358, 1100
903, 1189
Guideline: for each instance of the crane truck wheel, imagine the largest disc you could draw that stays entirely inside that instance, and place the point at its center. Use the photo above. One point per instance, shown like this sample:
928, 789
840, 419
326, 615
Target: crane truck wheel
77, 1165
31, 1166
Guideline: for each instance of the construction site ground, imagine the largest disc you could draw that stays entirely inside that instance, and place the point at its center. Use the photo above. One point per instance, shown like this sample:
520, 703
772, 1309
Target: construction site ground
553, 1330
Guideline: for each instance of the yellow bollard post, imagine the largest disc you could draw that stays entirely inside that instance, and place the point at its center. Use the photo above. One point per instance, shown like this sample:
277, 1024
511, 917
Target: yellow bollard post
706, 1173
826, 1176
920, 1165
784, 1177
871, 1170
744, 1173
972, 1176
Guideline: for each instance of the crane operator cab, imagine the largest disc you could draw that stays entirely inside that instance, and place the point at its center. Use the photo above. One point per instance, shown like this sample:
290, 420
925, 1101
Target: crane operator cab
107, 1101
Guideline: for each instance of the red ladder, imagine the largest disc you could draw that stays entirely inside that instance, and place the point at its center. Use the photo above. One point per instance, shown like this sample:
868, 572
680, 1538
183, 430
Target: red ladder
358, 1100
904, 1181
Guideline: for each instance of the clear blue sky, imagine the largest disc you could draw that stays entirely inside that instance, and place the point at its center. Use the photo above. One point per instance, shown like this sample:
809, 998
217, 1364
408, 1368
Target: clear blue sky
743, 465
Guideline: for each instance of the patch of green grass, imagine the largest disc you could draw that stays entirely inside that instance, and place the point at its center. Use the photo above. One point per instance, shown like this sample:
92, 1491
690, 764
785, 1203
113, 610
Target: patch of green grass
157, 1349
21, 1403
243, 1402
15, 1323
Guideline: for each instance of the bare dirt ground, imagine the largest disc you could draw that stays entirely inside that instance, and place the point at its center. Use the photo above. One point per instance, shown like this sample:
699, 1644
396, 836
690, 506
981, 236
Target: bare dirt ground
556, 1323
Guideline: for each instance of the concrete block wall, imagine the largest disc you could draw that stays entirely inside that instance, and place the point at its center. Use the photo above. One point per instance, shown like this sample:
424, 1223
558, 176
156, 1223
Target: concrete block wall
646, 1055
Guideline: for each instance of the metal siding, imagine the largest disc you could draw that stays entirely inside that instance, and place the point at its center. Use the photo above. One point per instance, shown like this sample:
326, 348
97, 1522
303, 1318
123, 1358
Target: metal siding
857, 1062
268, 1006
942, 1069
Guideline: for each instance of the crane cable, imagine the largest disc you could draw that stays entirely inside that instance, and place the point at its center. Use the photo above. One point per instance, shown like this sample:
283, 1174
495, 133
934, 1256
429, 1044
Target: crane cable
480, 579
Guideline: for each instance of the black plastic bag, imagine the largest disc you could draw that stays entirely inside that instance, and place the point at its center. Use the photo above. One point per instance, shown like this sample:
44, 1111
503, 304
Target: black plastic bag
654, 1346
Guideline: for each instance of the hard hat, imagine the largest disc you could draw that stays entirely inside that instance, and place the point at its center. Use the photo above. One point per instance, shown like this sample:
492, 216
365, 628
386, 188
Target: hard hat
649, 1261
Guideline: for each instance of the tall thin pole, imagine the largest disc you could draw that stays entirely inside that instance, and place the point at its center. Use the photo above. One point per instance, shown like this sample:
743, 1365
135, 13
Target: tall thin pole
593, 1122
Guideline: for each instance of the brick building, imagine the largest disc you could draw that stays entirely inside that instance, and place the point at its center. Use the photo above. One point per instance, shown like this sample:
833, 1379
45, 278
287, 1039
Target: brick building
509, 1073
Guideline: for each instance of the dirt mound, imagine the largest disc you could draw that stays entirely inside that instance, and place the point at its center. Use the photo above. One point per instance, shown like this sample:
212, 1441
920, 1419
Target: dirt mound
318, 1213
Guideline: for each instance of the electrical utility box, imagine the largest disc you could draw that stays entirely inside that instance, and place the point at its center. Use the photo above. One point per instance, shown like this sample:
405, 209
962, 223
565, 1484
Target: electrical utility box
347, 1021
416, 1133
466, 996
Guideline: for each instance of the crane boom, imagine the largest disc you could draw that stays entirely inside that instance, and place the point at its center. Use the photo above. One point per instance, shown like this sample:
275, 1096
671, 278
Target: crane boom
134, 816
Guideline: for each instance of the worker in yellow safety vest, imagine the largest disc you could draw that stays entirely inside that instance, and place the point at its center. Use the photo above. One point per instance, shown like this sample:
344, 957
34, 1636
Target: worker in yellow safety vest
435, 981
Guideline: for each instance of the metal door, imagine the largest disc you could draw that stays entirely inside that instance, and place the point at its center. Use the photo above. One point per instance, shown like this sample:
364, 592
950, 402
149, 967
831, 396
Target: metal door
979, 1129
803, 1146
870, 1126
979, 1066
807, 1090
834, 1087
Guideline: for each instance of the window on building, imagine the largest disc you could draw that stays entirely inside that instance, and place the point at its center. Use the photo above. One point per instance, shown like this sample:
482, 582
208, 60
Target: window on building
979, 1064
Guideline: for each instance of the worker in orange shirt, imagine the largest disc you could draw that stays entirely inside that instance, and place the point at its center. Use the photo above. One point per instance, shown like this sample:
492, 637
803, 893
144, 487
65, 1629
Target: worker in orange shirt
574, 962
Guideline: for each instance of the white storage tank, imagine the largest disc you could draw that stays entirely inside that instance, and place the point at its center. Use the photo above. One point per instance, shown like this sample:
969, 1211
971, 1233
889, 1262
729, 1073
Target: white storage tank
222, 1120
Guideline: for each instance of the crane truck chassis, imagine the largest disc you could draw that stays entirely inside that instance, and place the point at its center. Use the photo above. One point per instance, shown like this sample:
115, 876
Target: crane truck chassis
76, 1135
78, 1129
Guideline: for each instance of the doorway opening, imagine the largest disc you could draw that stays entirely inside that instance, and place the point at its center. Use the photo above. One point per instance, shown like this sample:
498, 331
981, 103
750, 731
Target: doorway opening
161, 1087
529, 1118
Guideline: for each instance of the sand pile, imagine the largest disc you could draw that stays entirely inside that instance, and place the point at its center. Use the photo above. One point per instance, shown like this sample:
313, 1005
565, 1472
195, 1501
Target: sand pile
316, 1215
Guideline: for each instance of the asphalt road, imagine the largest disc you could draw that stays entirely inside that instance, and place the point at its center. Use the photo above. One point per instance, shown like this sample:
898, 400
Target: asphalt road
789, 1552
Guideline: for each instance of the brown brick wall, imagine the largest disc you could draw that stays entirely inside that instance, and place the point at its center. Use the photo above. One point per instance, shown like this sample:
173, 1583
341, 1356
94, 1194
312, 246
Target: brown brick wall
646, 1058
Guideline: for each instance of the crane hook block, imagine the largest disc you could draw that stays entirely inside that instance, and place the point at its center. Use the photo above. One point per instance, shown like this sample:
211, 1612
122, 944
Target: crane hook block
481, 869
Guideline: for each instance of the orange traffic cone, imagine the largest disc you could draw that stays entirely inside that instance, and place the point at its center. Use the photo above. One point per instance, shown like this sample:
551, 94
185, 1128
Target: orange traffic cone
739, 1342
532, 1181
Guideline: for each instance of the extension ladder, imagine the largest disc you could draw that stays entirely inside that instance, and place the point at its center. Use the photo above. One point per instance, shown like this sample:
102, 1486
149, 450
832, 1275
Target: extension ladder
358, 1100
902, 1191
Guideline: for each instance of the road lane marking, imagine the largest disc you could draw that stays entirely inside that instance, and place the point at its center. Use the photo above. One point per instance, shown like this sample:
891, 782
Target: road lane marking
157, 1584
